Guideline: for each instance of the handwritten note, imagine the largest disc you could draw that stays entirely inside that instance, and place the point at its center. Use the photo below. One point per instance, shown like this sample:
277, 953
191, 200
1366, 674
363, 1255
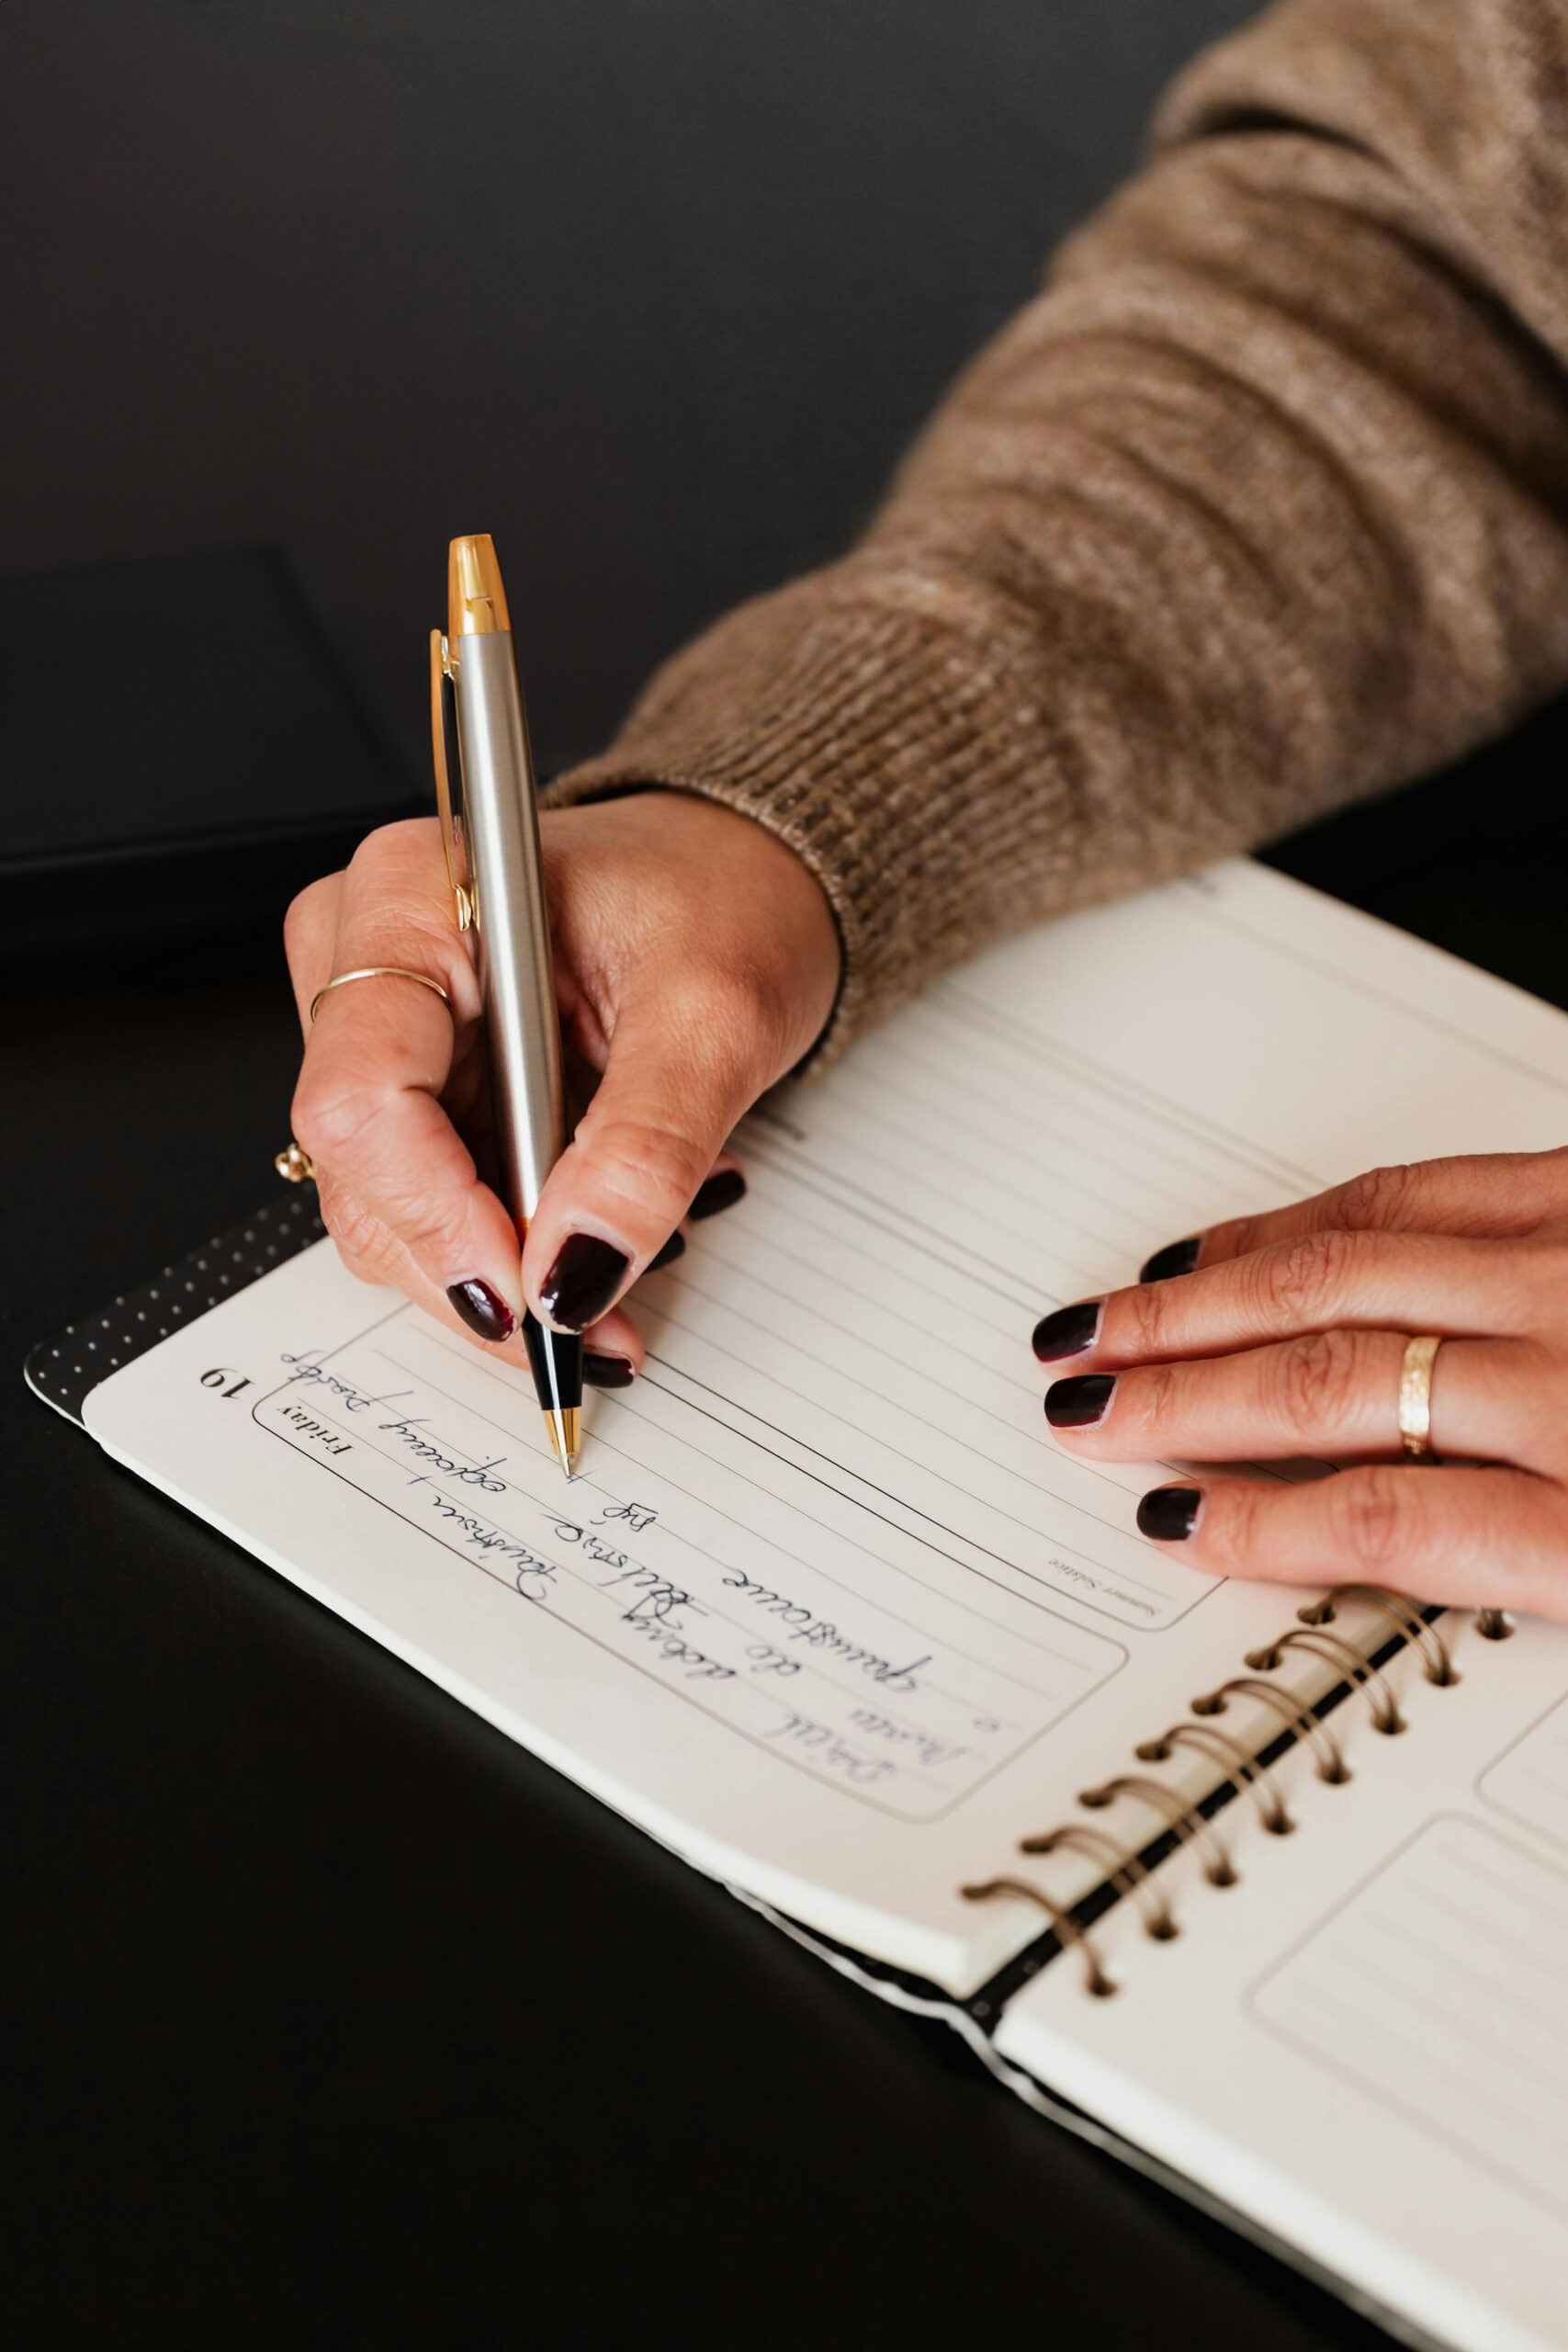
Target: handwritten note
761, 1616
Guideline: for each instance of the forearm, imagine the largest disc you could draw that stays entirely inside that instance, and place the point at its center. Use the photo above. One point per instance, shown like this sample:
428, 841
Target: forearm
1258, 507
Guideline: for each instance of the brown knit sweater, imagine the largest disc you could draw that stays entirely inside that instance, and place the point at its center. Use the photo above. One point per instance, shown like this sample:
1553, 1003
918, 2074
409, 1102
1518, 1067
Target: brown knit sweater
1262, 504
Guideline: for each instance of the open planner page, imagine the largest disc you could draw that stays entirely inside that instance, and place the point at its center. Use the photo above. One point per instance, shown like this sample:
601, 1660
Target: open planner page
1363, 2043
826, 1609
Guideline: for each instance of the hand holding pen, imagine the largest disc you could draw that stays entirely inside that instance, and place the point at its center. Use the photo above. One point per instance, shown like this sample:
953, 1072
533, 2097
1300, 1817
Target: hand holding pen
694, 960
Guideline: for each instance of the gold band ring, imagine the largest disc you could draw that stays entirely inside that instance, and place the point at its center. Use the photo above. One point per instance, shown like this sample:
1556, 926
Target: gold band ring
1416, 1396
380, 972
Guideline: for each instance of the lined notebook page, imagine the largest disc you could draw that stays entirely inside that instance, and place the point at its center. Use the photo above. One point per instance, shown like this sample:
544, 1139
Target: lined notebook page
1529, 1780
828, 1608
1441, 1986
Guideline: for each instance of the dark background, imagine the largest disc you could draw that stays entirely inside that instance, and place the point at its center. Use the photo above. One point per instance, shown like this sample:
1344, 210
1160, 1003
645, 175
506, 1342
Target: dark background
655, 290
337, 2018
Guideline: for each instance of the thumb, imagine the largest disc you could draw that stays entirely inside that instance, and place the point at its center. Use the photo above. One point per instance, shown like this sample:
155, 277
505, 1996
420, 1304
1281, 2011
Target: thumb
671, 1093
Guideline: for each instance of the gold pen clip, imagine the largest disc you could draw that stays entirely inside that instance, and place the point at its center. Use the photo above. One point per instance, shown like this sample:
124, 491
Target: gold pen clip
449, 778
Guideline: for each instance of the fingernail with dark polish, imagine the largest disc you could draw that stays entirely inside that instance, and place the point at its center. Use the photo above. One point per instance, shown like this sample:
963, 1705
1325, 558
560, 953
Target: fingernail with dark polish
1077, 1403
1170, 1513
605, 1371
483, 1308
1176, 1258
720, 1191
674, 1248
1069, 1331
583, 1280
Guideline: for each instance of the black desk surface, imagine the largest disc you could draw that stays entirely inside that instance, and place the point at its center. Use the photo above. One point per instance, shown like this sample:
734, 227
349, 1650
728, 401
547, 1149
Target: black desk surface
341, 2020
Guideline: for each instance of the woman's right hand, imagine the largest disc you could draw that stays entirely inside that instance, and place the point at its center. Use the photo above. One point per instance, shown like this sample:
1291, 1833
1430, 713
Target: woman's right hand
696, 961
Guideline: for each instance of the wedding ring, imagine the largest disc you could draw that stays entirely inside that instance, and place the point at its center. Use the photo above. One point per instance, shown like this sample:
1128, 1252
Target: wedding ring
294, 1165
1416, 1396
380, 972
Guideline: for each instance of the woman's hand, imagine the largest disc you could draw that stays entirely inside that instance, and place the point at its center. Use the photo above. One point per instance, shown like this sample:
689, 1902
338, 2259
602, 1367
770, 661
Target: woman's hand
1284, 1335
696, 961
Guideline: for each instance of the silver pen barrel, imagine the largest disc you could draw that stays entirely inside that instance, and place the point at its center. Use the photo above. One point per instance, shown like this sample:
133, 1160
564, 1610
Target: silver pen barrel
516, 973
492, 827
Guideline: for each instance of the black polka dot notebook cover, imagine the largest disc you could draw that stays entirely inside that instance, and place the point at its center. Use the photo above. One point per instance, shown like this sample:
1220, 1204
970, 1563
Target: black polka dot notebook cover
64, 1369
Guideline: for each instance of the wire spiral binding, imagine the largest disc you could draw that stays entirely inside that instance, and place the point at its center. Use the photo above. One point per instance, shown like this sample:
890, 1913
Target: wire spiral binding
1185, 1823
1244, 1774
1246, 1771
1401, 1614
1068, 1929
1300, 1720
1355, 1666
1127, 1872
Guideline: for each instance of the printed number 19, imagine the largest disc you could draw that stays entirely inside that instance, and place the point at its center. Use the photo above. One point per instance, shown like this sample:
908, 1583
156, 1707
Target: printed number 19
216, 1379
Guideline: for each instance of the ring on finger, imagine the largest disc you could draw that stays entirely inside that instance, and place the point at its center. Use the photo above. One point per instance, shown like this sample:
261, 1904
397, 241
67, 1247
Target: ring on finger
1416, 1396
379, 972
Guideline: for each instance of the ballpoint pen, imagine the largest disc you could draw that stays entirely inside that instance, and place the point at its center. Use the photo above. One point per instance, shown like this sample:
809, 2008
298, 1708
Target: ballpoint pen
490, 830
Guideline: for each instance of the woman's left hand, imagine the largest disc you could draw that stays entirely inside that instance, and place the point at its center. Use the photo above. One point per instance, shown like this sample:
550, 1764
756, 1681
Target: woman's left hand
1284, 1335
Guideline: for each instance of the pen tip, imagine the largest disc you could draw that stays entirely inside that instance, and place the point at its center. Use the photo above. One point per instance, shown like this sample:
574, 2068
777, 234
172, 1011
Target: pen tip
564, 1423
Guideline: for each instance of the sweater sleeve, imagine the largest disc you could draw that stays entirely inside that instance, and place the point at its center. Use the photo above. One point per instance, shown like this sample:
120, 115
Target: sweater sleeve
1262, 504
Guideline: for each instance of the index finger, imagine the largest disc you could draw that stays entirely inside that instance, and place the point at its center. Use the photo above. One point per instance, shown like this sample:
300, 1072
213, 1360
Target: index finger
368, 1106
1487, 1196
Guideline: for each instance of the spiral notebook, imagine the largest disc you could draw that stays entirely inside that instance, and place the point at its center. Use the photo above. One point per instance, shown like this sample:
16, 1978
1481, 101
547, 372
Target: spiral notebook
1266, 1888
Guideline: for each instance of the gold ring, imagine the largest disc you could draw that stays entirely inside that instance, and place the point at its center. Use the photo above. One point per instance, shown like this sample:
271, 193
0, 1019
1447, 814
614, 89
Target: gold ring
294, 1165
381, 972
1416, 1396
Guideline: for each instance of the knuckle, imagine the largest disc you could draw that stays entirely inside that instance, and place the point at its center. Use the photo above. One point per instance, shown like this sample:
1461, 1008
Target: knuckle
1242, 1530
361, 1239
428, 1215
1375, 1201
306, 910
1233, 1526
1147, 1309
411, 842
737, 1015
698, 997
1158, 1394
381, 1252
1533, 1376
1296, 1281
1367, 1513
645, 1159
330, 1122
1316, 1382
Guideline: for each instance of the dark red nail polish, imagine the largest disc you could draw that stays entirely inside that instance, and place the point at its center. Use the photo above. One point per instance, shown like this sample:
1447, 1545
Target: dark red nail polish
583, 1280
1176, 1258
483, 1308
1069, 1331
1077, 1403
674, 1248
720, 1191
607, 1371
1170, 1513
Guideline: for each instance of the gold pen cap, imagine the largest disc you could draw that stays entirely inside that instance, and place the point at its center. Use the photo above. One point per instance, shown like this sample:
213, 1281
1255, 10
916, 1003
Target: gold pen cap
475, 601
